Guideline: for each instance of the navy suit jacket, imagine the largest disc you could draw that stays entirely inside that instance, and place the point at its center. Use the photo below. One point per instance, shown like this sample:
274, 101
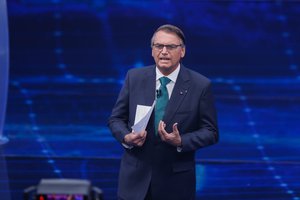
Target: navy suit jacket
170, 173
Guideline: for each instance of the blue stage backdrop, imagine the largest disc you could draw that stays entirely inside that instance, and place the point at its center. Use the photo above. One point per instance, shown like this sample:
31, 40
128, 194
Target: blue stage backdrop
69, 59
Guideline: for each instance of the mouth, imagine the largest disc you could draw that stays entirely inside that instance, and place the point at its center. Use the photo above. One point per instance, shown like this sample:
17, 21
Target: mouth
164, 59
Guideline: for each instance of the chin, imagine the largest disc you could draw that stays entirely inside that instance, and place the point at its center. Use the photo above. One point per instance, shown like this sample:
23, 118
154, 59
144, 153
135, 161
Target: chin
165, 69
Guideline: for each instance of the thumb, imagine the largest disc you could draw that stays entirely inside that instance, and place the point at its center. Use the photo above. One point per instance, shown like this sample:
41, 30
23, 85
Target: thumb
144, 133
175, 129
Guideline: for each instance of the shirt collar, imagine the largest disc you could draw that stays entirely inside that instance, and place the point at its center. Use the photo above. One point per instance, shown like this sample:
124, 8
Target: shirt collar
173, 76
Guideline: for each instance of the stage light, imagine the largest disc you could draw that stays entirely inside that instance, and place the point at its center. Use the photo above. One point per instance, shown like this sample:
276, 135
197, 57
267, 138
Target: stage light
63, 189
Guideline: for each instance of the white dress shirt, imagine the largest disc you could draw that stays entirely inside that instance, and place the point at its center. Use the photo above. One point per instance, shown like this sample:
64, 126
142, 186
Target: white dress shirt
173, 77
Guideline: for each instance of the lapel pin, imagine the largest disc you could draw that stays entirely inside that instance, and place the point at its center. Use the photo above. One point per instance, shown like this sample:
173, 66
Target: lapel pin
181, 92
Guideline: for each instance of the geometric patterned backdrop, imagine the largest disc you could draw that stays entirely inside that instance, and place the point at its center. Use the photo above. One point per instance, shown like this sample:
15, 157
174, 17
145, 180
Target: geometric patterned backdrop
68, 60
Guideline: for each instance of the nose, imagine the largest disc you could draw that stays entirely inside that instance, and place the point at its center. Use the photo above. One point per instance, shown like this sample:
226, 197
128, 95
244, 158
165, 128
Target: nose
164, 50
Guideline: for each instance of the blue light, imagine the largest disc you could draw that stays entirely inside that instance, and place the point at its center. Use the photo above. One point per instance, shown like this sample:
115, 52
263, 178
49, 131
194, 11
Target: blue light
40, 139
243, 98
200, 178
293, 67
57, 33
277, 177
266, 158
139, 64
251, 123
62, 65
285, 34
219, 80
247, 110
32, 115
23, 91
282, 18
45, 151
283, 185
35, 128
237, 88
69, 76
58, 50
289, 52
260, 147
271, 168
28, 102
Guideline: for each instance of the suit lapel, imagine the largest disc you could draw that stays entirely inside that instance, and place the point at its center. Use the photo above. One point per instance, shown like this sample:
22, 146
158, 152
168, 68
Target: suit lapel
148, 86
148, 89
180, 90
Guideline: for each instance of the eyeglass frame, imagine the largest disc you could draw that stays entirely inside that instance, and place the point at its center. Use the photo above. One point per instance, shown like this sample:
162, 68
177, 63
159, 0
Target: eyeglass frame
169, 47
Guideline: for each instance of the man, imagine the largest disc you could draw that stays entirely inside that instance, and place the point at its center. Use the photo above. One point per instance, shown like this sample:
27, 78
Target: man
159, 162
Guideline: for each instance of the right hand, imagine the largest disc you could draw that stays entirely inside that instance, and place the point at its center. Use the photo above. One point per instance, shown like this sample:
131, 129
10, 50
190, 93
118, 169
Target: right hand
135, 139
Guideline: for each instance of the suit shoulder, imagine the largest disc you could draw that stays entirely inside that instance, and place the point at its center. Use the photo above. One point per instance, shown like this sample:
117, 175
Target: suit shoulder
198, 78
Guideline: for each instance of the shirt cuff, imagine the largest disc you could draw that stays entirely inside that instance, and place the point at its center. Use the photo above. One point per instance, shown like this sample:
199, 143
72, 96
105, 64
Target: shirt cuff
127, 146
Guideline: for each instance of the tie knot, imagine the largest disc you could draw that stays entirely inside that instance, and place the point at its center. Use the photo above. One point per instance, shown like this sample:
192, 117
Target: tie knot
164, 80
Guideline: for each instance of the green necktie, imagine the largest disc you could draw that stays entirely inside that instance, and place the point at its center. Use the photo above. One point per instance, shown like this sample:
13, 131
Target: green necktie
161, 101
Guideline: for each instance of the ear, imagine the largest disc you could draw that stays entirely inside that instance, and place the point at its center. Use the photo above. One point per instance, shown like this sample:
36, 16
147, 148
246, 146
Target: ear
182, 52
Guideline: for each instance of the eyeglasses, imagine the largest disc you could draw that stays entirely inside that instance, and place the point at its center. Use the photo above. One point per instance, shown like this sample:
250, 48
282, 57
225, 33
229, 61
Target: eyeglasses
169, 47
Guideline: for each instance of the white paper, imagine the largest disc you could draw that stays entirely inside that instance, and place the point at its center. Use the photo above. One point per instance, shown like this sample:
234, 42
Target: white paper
141, 111
142, 116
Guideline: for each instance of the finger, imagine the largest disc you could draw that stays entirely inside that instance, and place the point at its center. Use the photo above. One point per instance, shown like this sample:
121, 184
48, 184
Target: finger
137, 142
141, 142
165, 135
139, 135
129, 138
163, 130
159, 126
160, 130
136, 139
144, 134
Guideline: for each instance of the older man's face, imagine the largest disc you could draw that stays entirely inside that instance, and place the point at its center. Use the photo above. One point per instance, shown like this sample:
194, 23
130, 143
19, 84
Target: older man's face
167, 51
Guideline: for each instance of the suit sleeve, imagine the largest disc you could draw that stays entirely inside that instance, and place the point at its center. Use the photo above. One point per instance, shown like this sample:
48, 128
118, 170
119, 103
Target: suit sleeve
118, 121
207, 134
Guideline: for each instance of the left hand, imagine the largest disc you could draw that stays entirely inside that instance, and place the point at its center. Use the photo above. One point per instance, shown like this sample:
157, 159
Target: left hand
171, 138
135, 139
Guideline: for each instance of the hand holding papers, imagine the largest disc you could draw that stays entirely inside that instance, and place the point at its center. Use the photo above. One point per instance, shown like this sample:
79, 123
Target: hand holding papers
142, 117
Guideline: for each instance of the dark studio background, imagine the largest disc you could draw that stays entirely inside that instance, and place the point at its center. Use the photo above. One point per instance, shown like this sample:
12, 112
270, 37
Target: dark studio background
68, 59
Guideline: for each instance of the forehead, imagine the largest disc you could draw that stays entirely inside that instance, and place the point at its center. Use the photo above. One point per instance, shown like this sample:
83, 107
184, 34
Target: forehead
166, 38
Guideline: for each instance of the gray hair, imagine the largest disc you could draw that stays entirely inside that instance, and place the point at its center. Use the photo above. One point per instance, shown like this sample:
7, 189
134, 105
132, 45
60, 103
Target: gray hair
170, 29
